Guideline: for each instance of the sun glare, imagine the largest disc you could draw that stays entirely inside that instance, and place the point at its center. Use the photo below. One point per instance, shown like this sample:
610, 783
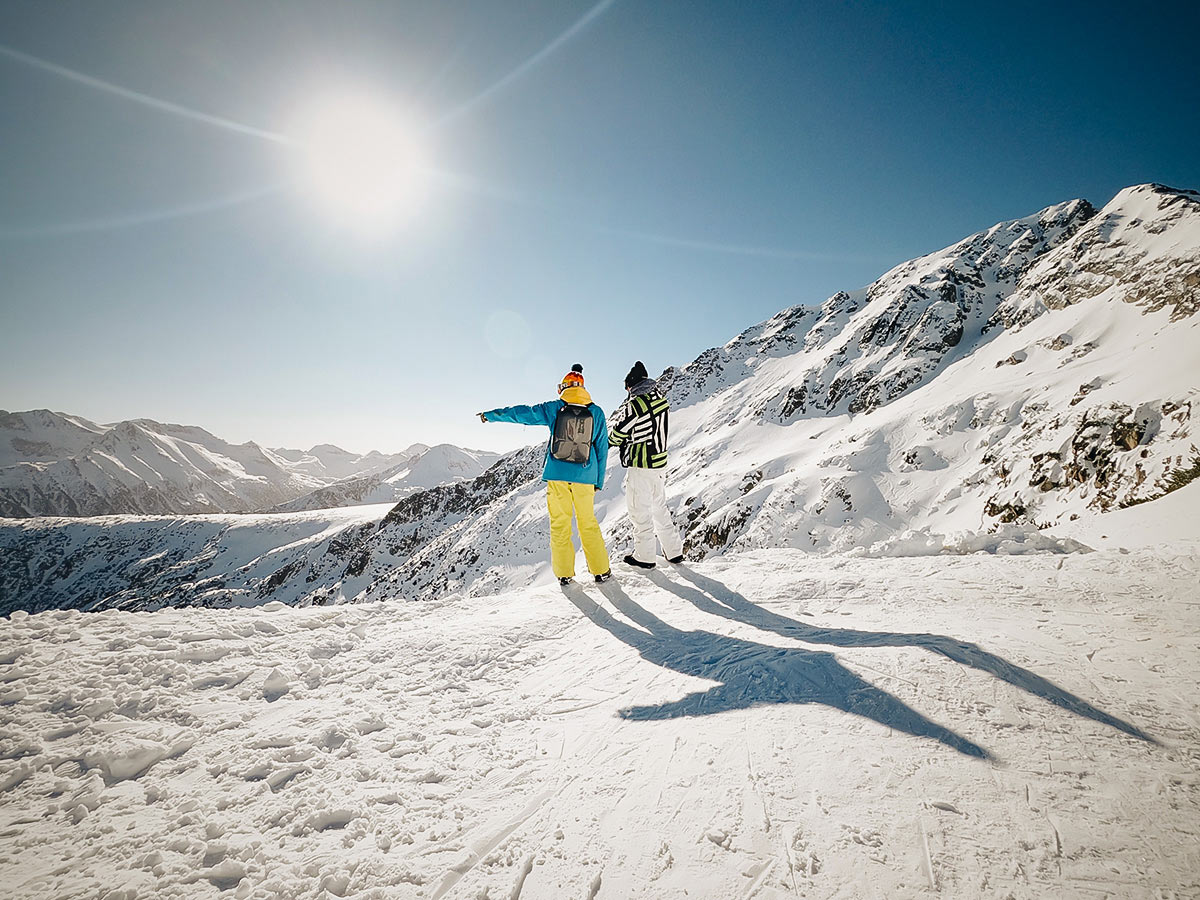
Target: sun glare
360, 161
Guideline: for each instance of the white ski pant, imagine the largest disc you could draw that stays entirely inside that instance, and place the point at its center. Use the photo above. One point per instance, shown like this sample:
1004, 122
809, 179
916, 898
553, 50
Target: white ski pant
646, 497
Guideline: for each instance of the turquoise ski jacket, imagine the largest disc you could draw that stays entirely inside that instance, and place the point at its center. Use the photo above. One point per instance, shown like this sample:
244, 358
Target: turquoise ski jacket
544, 414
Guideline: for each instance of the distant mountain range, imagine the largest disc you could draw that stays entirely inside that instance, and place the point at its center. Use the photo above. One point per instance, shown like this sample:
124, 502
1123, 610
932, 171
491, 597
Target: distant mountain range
53, 464
1037, 373
426, 468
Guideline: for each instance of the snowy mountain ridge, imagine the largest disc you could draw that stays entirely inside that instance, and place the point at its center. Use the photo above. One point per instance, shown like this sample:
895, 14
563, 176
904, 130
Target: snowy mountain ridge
426, 468
331, 463
53, 464
40, 435
136, 466
863, 349
1037, 374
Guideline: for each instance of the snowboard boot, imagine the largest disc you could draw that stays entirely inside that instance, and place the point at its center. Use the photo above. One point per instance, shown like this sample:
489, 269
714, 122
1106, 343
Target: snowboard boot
603, 577
676, 560
634, 561
565, 581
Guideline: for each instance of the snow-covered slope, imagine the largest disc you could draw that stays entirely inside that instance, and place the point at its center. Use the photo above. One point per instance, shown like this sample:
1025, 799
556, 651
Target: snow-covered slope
146, 562
766, 725
940, 418
1037, 374
427, 468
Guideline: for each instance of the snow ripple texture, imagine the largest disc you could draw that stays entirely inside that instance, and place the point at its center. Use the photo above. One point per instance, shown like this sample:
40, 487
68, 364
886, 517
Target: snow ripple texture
771, 725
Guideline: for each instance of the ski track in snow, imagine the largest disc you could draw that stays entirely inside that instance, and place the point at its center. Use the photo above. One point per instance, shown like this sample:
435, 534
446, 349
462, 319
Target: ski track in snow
764, 725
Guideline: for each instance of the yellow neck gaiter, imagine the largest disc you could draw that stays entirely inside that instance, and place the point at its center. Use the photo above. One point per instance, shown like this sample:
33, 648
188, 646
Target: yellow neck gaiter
576, 395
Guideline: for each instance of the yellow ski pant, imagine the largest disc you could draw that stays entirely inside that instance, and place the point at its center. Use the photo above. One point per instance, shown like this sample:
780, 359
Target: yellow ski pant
561, 498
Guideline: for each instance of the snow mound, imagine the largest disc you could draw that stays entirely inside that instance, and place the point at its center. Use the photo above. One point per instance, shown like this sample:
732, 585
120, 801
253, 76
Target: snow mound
1008, 540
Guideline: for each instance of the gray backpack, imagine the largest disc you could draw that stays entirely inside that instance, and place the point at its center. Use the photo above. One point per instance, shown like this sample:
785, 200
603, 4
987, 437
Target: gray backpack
572, 440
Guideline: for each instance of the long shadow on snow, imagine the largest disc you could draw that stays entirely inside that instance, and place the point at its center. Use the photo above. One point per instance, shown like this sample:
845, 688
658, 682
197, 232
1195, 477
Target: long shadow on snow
751, 674
714, 597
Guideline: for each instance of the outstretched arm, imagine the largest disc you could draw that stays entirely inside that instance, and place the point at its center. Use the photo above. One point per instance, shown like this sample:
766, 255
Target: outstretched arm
542, 414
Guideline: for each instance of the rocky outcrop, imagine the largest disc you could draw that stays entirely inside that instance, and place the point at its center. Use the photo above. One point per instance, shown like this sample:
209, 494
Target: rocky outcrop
1141, 250
872, 346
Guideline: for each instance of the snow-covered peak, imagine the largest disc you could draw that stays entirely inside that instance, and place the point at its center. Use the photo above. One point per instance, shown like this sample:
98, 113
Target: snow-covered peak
1142, 248
329, 463
445, 463
40, 435
329, 451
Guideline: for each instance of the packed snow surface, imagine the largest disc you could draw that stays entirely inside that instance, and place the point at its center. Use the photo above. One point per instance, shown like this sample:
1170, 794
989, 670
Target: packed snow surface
766, 724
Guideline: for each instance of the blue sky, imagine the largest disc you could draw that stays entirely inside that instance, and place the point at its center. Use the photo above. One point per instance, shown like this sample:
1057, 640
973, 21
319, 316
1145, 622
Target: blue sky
666, 176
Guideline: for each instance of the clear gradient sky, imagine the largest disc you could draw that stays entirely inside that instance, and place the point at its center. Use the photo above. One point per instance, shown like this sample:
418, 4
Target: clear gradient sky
642, 186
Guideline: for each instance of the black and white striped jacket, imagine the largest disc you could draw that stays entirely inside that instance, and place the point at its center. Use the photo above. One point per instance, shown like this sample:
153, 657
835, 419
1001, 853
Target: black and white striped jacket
639, 428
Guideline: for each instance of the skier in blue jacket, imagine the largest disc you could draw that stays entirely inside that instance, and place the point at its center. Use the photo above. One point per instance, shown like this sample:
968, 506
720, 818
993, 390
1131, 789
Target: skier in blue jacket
571, 484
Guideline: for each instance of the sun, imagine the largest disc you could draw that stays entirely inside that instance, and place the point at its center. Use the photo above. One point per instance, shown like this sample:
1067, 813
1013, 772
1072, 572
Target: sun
360, 161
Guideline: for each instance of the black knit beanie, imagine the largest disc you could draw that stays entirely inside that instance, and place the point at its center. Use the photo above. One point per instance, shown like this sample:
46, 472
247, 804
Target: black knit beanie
636, 374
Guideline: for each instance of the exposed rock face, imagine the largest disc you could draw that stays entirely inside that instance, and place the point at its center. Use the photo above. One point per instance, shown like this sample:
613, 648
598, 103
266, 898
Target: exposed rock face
870, 347
1141, 249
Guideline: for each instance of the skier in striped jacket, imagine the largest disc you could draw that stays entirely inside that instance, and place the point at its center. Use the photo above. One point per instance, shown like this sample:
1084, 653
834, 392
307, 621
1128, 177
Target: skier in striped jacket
639, 430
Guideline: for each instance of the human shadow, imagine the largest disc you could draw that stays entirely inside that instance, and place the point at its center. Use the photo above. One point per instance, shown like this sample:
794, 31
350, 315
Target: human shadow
751, 674
713, 597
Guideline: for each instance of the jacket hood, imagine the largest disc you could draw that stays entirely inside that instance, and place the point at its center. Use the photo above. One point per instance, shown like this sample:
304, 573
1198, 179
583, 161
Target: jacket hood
645, 386
576, 395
